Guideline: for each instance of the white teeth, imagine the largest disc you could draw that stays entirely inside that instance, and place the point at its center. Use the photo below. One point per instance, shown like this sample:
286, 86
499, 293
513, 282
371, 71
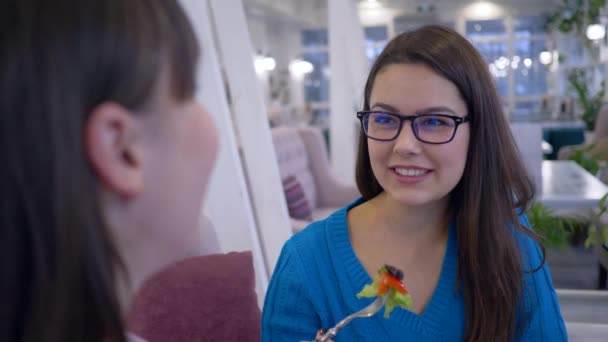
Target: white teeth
410, 172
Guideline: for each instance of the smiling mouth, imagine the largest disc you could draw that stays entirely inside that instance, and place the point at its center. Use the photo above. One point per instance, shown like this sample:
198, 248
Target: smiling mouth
410, 172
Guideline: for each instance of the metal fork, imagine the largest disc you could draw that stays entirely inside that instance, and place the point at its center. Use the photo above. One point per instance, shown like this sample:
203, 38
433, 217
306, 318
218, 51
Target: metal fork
367, 311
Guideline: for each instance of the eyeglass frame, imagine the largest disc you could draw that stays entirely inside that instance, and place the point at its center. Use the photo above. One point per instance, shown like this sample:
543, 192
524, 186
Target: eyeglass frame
458, 120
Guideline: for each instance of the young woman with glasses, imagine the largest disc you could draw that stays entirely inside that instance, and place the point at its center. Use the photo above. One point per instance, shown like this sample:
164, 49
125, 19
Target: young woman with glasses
443, 191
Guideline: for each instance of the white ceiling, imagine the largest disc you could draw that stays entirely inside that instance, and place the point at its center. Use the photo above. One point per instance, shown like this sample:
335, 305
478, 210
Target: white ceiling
414, 3
314, 12
287, 12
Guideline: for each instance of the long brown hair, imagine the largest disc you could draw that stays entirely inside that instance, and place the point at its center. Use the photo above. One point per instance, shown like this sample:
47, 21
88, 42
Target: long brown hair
494, 184
59, 60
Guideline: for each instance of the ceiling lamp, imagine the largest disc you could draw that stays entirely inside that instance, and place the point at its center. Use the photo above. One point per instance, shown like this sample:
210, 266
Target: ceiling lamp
596, 31
264, 63
300, 67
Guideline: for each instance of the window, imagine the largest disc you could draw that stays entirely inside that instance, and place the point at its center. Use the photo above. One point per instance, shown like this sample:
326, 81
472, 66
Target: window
375, 34
528, 26
486, 29
411, 22
529, 71
495, 54
314, 38
376, 38
518, 57
316, 84
315, 50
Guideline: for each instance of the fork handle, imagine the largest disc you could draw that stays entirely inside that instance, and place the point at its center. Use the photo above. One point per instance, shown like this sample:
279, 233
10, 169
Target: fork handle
334, 331
328, 335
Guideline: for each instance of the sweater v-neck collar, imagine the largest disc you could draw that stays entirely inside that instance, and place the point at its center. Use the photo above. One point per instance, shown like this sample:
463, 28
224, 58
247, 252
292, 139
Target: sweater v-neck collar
429, 322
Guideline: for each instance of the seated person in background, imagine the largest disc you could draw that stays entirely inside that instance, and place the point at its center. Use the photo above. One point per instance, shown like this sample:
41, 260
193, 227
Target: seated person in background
601, 124
107, 157
443, 190
599, 142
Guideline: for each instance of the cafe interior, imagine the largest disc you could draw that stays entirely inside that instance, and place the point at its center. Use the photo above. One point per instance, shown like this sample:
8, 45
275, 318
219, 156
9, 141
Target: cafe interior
285, 113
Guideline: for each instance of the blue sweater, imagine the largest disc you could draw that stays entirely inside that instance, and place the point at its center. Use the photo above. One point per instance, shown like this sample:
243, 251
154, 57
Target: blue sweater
318, 275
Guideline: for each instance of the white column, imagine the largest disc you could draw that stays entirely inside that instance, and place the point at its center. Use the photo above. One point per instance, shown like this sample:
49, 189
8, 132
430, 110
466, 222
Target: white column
268, 200
529, 138
349, 67
228, 204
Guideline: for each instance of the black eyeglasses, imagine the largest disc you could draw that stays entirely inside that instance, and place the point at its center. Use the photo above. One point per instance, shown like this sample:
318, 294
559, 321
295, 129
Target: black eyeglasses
428, 128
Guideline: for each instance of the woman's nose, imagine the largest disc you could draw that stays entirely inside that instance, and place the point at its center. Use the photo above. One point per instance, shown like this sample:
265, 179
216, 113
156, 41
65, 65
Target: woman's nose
406, 142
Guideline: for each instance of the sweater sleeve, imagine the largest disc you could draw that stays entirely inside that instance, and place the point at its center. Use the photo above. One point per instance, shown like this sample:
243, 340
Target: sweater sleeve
543, 315
288, 313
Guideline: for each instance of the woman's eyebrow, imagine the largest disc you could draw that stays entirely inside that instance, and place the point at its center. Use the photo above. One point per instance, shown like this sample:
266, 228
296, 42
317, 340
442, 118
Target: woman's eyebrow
384, 106
434, 109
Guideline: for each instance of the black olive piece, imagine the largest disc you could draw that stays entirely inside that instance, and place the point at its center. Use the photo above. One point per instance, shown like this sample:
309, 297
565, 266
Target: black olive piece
397, 273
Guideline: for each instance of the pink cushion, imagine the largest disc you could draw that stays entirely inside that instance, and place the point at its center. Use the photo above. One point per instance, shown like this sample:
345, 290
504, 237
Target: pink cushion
208, 298
293, 160
297, 203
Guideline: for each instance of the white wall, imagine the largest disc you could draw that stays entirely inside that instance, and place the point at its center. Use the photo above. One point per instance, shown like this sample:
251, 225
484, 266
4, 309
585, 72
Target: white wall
275, 33
349, 68
275, 25
249, 111
227, 192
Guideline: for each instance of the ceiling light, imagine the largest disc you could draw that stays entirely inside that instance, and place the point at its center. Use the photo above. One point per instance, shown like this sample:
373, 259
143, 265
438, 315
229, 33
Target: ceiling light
263, 64
300, 67
596, 31
545, 57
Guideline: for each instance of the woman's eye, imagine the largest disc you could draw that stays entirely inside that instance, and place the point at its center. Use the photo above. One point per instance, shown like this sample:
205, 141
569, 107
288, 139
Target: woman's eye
383, 119
434, 121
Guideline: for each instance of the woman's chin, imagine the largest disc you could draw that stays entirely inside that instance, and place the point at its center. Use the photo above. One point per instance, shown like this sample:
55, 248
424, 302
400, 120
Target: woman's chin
415, 199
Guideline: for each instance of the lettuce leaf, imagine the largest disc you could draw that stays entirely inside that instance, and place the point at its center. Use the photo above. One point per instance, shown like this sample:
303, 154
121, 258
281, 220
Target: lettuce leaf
394, 299
397, 300
369, 291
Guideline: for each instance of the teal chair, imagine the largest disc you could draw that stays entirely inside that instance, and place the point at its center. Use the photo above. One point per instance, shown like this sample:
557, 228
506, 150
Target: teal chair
559, 137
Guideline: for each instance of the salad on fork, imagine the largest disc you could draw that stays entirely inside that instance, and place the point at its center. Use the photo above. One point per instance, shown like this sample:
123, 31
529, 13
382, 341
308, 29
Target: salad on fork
388, 287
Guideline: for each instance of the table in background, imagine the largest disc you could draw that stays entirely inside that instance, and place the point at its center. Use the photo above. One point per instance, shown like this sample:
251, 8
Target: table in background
567, 186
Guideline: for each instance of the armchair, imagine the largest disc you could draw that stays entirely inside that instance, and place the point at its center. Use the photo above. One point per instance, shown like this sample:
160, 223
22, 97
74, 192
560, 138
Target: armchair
301, 153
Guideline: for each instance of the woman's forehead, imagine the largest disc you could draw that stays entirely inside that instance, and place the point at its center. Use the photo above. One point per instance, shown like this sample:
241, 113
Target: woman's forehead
413, 87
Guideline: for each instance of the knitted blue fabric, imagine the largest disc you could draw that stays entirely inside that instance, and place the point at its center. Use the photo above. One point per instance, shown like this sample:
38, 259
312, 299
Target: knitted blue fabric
318, 275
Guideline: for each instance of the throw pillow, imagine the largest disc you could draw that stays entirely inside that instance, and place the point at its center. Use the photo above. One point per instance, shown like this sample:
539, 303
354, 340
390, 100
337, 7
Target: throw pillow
297, 203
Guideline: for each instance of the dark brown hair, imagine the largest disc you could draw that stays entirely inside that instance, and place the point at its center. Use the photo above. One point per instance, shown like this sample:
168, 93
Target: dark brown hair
494, 184
58, 61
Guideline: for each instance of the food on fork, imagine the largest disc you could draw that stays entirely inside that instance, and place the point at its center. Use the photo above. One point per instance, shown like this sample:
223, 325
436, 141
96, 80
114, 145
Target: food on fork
388, 282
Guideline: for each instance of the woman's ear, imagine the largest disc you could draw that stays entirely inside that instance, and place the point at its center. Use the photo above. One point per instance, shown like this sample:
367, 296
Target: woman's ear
113, 148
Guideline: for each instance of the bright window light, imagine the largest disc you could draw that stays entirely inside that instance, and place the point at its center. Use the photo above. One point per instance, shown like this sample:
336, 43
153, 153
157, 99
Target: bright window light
263, 64
300, 67
596, 31
545, 57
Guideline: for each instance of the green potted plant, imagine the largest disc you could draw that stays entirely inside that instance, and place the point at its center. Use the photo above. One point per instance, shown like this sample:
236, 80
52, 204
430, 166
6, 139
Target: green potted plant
591, 103
601, 230
583, 158
573, 14
554, 231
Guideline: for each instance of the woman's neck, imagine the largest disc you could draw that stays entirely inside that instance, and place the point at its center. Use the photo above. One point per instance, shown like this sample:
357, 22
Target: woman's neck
411, 238
415, 223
